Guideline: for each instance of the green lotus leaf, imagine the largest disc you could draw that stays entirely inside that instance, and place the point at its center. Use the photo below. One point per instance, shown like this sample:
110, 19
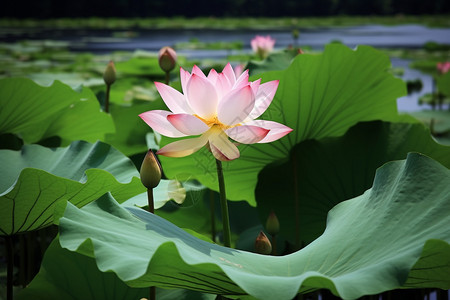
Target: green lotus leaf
318, 96
438, 119
35, 112
275, 61
72, 79
131, 131
141, 66
395, 235
331, 170
38, 181
443, 84
72, 276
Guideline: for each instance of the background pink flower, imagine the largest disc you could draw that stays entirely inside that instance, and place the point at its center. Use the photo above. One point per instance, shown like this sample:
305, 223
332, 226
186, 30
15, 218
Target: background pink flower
443, 67
215, 108
262, 45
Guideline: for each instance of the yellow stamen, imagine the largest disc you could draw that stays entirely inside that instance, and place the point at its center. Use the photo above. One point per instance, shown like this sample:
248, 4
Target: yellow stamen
214, 121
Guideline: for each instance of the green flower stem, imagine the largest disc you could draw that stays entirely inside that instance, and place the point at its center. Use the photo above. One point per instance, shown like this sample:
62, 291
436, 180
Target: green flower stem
108, 89
151, 203
274, 245
167, 78
297, 204
22, 261
151, 209
223, 205
9, 267
213, 215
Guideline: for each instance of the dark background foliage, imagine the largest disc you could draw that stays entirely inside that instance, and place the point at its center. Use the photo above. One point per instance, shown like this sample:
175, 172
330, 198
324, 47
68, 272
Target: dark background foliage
224, 8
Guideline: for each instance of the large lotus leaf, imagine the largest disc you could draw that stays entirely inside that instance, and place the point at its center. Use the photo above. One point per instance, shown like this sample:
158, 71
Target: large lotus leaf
68, 275
35, 112
443, 83
372, 243
37, 181
318, 96
322, 173
72, 276
130, 129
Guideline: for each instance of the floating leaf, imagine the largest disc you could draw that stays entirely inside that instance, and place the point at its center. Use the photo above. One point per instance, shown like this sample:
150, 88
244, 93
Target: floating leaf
318, 96
275, 61
331, 170
35, 112
372, 243
38, 181
438, 119
140, 66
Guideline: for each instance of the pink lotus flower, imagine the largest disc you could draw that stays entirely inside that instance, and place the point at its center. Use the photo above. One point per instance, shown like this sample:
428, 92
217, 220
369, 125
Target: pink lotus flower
215, 107
443, 67
262, 45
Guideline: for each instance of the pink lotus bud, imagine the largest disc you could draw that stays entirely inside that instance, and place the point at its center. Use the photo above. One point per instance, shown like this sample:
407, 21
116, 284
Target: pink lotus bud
167, 59
272, 224
109, 76
262, 244
150, 170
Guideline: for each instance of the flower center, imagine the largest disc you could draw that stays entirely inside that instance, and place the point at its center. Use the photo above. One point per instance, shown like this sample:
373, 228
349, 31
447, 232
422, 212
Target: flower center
214, 121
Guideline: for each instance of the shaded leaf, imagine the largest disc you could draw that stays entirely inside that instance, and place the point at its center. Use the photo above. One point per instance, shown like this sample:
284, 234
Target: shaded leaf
332, 170
72, 276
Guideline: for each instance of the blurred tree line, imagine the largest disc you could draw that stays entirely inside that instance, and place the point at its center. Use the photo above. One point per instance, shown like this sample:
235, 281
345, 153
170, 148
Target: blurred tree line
223, 8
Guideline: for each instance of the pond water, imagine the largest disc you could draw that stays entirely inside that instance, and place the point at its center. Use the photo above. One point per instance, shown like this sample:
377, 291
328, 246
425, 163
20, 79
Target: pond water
390, 37
403, 36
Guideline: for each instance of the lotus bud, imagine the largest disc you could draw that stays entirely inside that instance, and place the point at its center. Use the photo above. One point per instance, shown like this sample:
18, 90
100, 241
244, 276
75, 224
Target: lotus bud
109, 76
150, 170
262, 244
272, 224
167, 59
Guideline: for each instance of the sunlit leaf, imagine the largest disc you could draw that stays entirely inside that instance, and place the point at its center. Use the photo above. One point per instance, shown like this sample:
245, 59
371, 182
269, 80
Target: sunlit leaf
393, 235
35, 112
37, 182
